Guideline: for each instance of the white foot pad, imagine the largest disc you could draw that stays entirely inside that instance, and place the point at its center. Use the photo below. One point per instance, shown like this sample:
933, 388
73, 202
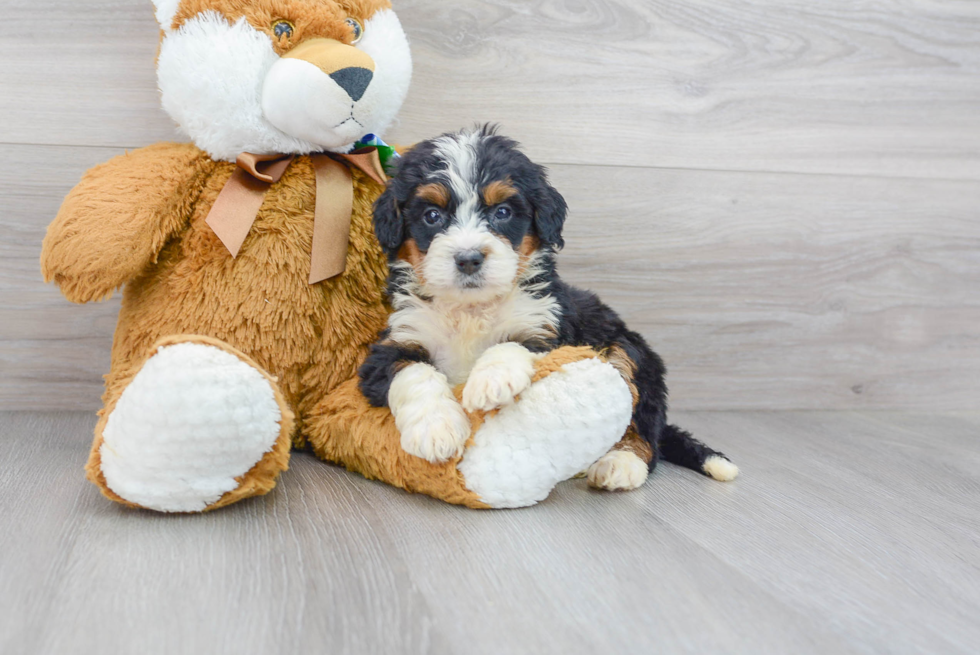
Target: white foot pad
192, 420
618, 470
561, 425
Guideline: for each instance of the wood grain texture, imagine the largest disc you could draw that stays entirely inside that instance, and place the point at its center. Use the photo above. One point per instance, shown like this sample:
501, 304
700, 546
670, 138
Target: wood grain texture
844, 287
781, 291
847, 533
868, 87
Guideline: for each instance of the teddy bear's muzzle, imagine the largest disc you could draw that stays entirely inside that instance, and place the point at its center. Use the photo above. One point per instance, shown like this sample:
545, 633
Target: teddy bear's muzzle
313, 92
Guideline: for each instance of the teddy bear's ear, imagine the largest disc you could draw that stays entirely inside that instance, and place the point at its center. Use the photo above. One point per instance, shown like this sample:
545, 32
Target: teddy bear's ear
166, 10
389, 224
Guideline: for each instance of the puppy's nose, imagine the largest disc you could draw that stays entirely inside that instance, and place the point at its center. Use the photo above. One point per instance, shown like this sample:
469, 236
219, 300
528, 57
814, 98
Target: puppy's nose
470, 261
353, 80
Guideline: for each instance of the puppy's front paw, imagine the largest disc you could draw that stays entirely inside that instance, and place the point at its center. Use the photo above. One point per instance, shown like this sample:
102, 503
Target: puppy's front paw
618, 470
503, 372
433, 426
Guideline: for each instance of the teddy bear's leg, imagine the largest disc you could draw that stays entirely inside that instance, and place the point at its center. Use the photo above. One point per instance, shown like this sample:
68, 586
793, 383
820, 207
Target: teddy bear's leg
196, 427
576, 409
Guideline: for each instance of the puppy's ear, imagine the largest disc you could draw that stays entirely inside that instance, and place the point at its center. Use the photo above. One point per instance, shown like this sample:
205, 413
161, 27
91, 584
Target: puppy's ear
550, 210
389, 224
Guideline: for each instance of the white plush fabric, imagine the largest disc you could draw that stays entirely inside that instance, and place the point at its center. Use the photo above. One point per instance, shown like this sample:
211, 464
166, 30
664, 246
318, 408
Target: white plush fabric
299, 99
165, 12
215, 78
192, 420
561, 425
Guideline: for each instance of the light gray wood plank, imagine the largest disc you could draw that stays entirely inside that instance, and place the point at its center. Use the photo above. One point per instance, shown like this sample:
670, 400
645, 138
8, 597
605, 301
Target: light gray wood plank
847, 532
869, 521
760, 291
873, 88
52, 353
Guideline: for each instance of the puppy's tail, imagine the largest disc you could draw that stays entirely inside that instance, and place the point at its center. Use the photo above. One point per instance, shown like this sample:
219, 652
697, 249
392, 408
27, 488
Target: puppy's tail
679, 447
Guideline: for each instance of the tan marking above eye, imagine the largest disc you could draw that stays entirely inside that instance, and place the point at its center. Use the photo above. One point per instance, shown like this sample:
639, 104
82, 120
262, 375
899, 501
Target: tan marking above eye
437, 194
498, 192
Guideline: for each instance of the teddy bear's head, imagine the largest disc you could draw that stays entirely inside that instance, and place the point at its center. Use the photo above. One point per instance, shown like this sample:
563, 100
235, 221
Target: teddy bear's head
281, 76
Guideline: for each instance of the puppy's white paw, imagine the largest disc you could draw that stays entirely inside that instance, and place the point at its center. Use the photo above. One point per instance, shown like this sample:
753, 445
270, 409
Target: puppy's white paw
433, 426
501, 373
618, 470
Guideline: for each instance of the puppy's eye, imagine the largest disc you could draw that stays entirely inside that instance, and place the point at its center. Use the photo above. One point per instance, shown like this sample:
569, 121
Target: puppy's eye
356, 28
432, 217
283, 28
503, 213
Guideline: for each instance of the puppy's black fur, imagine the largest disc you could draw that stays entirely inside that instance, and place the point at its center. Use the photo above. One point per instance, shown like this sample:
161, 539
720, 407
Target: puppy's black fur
536, 214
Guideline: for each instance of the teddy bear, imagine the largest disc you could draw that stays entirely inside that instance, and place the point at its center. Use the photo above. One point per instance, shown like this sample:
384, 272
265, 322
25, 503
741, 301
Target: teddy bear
253, 284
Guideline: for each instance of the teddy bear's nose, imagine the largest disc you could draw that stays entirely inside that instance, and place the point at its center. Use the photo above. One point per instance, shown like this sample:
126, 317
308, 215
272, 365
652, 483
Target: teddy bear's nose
354, 80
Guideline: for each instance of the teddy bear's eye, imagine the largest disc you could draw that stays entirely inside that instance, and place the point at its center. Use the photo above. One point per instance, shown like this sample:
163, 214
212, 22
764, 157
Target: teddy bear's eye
356, 28
282, 28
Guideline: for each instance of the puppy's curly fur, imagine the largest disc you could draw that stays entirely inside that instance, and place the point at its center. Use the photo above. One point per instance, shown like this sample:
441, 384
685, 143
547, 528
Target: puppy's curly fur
471, 228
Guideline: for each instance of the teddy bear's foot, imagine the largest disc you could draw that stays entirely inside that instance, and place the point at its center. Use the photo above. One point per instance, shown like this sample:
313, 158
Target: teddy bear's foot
563, 423
198, 427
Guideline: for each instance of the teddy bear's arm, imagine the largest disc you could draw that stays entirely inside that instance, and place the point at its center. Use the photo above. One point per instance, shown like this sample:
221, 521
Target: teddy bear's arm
115, 222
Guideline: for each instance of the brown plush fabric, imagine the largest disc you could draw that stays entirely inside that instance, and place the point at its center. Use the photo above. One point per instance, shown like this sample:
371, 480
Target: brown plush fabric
345, 428
140, 219
141, 216
114, 223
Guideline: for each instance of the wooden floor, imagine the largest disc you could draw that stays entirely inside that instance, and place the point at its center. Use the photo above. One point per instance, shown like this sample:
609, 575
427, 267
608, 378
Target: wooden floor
847, 533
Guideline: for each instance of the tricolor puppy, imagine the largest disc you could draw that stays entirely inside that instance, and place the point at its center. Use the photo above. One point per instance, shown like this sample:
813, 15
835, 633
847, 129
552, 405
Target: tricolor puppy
471, 227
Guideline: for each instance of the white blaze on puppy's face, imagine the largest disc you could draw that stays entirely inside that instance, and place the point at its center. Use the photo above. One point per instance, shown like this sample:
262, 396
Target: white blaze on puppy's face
468, 232
224, 83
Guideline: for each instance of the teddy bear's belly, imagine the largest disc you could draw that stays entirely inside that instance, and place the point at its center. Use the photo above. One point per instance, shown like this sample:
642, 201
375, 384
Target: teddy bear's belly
309, 336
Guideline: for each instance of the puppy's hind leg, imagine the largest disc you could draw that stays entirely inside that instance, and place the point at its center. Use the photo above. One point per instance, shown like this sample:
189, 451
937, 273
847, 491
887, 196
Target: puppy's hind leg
626, 466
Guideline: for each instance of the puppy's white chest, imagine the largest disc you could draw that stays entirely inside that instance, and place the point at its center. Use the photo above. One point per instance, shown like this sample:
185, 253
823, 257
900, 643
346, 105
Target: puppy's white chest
456, 335
464, 338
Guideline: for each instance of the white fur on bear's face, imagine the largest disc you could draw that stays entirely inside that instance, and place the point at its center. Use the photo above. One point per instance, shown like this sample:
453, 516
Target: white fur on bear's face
213, 78
166, 10
328, 116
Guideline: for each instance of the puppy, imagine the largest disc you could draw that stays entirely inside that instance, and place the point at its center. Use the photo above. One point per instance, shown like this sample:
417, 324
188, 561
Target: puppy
471, 227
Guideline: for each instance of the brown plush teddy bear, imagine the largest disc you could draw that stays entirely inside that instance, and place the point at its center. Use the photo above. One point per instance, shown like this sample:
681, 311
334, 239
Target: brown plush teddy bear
253, 283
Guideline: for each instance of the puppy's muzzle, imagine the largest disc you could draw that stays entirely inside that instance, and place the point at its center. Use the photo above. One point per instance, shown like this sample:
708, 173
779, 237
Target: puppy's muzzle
469, 262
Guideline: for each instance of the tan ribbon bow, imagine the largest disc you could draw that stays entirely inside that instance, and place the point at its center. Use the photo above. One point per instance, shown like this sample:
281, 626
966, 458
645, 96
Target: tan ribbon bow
238, 204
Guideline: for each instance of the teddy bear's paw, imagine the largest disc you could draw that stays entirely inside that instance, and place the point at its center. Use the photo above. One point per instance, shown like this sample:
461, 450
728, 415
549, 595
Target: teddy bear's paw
501, 373
618, 470
193, 421
559, 427
433, 425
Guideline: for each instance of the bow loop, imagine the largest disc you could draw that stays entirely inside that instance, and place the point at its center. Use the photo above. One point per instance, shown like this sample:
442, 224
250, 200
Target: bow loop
266, 168
237, 206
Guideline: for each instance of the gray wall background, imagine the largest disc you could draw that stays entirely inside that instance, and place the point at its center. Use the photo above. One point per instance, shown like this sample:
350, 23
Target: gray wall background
783, 196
